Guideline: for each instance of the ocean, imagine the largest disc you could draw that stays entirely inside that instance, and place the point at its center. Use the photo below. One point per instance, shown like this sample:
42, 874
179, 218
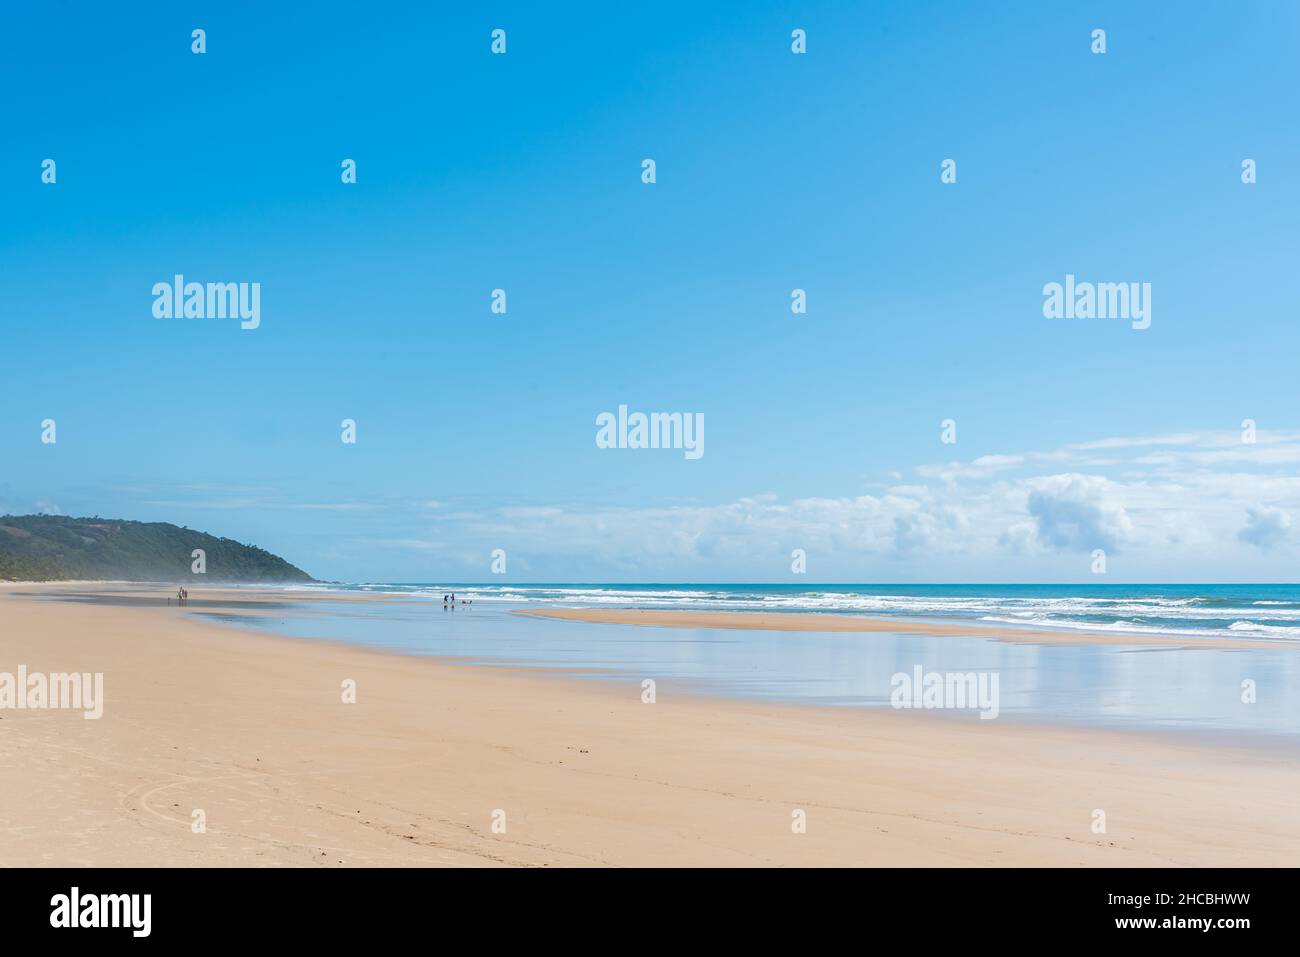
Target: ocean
1221, 611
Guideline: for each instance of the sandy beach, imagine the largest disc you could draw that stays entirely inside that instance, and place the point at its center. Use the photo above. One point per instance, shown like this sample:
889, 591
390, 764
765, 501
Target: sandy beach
252, 730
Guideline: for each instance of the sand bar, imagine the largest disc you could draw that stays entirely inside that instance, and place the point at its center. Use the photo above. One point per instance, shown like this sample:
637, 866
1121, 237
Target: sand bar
825, 622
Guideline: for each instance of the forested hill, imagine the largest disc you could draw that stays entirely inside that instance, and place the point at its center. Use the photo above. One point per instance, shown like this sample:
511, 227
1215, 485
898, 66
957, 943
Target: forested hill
56, 547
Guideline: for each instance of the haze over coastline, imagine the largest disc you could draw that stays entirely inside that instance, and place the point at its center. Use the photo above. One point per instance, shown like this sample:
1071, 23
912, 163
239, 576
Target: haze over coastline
55, 547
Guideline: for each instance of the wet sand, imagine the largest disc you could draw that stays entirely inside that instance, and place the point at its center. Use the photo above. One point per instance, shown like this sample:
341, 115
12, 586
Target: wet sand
809, 621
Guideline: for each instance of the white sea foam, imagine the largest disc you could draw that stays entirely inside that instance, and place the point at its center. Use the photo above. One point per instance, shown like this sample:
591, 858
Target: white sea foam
1118, 627
1281, 631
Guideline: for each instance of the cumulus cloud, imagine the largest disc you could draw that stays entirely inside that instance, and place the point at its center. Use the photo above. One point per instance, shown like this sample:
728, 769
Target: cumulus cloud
1265, 527
1078, 511
929, 528
992, 514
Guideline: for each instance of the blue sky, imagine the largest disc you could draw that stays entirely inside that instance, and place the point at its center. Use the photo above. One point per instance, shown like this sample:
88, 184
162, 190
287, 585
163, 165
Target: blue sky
775, 171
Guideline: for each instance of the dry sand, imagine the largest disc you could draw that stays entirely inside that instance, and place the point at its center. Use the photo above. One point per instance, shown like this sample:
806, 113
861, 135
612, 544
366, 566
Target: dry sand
251, 729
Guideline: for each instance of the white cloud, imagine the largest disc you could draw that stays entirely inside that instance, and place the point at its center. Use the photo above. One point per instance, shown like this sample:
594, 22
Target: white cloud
1078, 511
1048, 508
929, 528
1265, 527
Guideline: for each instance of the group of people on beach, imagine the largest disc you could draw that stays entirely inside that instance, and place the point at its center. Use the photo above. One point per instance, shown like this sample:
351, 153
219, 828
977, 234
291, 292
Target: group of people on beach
182, 596
452, 601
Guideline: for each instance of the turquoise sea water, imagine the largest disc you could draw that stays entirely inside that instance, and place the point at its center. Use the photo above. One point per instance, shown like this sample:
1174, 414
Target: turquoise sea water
1166, 687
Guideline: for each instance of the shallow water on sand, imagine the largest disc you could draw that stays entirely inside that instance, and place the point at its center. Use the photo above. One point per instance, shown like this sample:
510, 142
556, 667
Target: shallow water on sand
1227, 611
1165, 688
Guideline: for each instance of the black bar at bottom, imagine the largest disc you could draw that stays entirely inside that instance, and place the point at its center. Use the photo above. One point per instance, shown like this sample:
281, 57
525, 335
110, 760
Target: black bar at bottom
330, 907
